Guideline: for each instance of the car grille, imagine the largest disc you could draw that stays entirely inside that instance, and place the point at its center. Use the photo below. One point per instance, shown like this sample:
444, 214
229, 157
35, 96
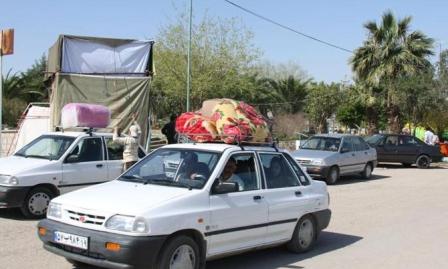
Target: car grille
303, 161
86, 218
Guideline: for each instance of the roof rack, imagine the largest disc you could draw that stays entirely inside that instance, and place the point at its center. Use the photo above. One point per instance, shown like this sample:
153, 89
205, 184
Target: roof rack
87, 130
186, 138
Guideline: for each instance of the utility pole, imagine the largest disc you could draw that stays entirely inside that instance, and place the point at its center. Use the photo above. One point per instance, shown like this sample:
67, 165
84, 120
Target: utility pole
189, 59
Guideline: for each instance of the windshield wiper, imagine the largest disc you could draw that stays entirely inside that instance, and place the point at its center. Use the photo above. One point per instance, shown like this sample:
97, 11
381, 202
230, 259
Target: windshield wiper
35, 156
170, 182
134, 178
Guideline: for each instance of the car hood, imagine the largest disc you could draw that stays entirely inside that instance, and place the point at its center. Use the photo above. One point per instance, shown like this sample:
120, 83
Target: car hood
120, 197
14, 165
309, 154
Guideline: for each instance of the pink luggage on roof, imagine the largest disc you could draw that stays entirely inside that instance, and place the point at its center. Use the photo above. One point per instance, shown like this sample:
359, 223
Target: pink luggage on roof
85, 115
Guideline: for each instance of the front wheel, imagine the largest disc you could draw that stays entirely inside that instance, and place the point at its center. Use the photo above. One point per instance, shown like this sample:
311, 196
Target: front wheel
180, 252
333, 175
304, 236
423, 162
36, 202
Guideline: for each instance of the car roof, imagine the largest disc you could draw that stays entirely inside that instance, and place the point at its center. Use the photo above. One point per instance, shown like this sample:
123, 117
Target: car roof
76, 134
220, 147
335, 135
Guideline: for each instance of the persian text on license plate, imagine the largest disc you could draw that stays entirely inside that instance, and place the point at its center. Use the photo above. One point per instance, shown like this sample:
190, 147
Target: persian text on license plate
71, 240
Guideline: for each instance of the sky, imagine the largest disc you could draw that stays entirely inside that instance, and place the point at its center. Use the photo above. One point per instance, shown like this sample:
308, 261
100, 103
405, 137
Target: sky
37, 25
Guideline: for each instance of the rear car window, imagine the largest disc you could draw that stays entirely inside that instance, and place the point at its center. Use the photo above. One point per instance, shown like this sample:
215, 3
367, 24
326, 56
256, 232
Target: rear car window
277, 171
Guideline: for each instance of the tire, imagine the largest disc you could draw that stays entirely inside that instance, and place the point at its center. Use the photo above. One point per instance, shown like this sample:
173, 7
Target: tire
305, 235
36, 202
332, 176
180, 252
423, 162
407, 165
367, 172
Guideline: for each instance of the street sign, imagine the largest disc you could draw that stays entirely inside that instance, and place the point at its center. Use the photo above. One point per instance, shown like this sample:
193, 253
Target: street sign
7, 42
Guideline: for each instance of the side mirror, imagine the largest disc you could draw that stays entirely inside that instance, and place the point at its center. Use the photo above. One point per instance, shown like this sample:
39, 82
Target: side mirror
344, 150
73, 158
225, 187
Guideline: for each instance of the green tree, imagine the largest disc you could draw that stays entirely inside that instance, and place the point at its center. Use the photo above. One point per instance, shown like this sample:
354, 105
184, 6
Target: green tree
352, 110
223, 58
322, 102
391, 51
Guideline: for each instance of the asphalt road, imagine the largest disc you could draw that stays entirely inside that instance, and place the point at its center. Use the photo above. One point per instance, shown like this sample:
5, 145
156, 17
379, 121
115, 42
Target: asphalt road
398, 219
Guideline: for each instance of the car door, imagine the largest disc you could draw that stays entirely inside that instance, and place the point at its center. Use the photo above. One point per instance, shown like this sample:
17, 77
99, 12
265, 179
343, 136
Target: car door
287, 199
238, 219
347, 157
407, 149
115, 157
390, 153
361, 154
84, 165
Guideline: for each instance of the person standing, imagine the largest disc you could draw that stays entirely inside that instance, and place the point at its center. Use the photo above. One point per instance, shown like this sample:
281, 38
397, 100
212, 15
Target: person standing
429, 136
130, 143
169, 130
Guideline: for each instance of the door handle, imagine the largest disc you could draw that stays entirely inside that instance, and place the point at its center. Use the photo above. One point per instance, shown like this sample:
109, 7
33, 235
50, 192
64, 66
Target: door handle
298, 193
353, 154
99, 165
257, 197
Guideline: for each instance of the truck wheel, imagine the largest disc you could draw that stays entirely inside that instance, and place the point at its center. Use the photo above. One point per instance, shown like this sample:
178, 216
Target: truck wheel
304, 236
367, 172
36, 202
180, 252
423, 162
333, 175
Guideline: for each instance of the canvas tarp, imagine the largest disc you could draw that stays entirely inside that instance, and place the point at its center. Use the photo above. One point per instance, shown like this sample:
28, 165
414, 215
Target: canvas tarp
93, 55
122, 95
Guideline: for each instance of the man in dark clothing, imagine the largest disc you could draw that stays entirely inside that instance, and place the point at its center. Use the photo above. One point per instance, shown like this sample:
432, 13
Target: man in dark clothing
169, 130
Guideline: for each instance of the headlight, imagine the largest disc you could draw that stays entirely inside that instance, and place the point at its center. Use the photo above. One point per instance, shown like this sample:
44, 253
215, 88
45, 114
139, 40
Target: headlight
317, 162
54, 210
8, 180
127, 224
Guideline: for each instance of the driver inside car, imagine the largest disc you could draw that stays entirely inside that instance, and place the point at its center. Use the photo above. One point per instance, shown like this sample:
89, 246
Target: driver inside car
191, 169
228, 174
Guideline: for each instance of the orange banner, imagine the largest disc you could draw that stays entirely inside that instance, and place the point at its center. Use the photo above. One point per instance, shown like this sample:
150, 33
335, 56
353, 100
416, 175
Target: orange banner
7, 42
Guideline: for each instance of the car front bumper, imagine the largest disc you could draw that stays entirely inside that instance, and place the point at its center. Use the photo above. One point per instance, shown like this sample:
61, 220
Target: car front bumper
317, 171
134, 252
12, 196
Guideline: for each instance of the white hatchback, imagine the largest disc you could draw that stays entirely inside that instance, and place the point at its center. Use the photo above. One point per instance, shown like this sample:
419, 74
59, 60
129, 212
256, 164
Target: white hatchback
187, 203
56, 163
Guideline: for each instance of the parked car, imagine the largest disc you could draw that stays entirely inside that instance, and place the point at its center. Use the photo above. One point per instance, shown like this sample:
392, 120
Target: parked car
405, 149
330, 156
154, 217
56, 163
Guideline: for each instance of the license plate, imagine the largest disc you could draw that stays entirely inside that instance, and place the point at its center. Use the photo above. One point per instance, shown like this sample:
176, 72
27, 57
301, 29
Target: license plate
71, 240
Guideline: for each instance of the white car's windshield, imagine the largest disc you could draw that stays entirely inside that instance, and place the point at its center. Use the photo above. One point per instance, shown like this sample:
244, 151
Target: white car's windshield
322, 143
50, 147
174, 167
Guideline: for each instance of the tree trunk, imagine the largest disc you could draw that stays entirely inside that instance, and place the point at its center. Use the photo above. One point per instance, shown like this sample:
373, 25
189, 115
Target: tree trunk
394, 119
322, 127
372, 120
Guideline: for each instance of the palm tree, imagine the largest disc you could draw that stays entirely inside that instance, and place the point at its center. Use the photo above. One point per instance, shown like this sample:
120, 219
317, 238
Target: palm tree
390, 52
